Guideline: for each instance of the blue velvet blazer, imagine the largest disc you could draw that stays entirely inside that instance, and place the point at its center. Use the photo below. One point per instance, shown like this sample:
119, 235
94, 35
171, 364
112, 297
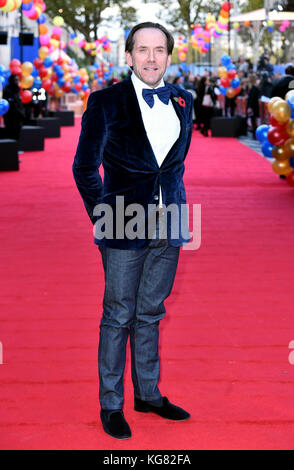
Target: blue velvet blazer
113, 134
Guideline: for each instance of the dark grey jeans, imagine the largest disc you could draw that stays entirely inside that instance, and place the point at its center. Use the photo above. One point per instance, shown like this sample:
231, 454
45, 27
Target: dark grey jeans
136, 284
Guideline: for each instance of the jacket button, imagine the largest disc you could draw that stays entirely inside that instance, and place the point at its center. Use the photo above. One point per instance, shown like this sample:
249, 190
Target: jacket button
156, 198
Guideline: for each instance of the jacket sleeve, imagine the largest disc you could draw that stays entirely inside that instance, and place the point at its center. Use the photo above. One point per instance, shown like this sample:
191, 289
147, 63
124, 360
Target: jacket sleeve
189, 122
89, 155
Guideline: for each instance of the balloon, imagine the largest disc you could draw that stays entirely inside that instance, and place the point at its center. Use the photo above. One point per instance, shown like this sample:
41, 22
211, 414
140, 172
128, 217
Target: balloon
235, 82
291, 161
59, 92
225, 60
14, 63
230, 92
281, 167
261, 133
232, 74
290, 128
289, 94
272, 101
46, 84
277, 135
226, 6
27, 81
225, 81
4, 106
43, 52
276, 123
43, 29
267, 149
27, 68
281, 111
26, 96
222, 72
48, 62
289, 147
280, 153
290, 178
58, 21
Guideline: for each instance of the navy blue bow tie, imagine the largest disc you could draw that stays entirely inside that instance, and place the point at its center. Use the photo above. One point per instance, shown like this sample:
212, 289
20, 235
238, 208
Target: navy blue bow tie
163, 94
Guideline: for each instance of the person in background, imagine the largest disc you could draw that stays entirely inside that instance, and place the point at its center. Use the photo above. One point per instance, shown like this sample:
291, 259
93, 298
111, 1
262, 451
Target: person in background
253, 103
285, 84
208, 106
15, 116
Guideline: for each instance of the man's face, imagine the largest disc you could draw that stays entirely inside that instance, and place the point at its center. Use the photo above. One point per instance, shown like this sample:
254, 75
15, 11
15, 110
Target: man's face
149, 57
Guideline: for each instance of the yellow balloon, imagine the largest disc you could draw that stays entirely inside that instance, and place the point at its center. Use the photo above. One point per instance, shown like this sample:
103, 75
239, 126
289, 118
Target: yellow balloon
222, 72
281, 111
272, 101
282, 167
27, 82
8, 7
43, 52
26, 68
58, 21
290, 128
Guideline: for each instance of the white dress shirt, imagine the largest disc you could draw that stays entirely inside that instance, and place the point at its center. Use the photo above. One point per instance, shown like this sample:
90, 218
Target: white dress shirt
161, 123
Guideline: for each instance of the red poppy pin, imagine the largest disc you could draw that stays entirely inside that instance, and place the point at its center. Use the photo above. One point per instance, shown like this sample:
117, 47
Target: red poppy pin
181, 101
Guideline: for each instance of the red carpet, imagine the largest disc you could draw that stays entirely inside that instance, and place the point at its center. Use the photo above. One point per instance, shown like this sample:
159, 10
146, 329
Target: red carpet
224, 340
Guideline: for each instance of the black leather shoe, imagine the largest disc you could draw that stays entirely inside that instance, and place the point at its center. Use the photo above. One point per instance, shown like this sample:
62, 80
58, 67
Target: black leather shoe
115, 425
166, 410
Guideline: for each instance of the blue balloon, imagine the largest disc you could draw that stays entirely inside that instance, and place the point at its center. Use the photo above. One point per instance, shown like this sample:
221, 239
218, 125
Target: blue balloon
231, 67
291, 161
225, 60
37, 83
267, 149
235, 82
261, 133
2, 69
47, 62
72, 35
4, 106
27, 6
77, 79
85, 86
35, 72
42, 19
61, 82
223, 90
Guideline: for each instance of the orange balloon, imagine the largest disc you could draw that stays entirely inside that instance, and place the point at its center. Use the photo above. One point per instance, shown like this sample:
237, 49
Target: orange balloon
281, 153
289, 147
247, 23
59, 92
222, 72
43, 29
230, 92
282, 167
27, 82
290, 128
281, 111
26, 68
272, 101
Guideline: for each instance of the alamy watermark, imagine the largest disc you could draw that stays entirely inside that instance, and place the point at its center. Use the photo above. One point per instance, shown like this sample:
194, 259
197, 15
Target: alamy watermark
129, 222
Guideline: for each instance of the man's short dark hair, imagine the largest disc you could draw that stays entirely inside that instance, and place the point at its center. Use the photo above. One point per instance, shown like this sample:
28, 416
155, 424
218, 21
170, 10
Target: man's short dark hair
149, 24
289, 70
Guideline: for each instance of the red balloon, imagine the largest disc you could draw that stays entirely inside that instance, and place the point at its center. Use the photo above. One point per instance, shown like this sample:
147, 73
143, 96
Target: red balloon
276, 123
46, 84
277, 135
225, 81
14, 63
38, 62
16, 71
226, 6
43, 72
66, 87
290, 178
78, 87
60, 61
26, 96
232, 74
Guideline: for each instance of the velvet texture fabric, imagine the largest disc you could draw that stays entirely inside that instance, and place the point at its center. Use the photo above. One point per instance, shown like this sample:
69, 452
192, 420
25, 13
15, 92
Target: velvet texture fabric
113, 134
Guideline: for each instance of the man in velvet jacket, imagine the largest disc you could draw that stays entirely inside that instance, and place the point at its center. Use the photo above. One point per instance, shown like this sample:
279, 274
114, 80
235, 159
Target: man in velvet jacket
140, 130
